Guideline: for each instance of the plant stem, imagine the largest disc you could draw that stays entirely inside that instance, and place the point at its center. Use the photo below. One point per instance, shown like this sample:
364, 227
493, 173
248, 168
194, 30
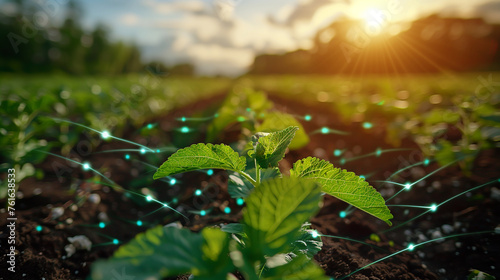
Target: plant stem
248, 177
257, 172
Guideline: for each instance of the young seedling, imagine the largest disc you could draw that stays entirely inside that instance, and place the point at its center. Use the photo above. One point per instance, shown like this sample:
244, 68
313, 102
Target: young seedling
271, 241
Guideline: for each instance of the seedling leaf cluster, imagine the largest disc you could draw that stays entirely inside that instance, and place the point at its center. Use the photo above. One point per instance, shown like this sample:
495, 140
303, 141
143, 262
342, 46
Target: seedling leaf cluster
272, 241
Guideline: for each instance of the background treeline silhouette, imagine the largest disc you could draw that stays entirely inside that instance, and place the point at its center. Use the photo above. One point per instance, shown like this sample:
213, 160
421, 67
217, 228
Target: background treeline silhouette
48, 37
431, 44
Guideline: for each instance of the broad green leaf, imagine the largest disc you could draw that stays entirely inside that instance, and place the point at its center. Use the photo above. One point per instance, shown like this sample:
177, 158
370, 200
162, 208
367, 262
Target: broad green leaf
233, 228
275, 213
300, 268
238, 186
343, 185
275, 121
271, 148
306, 244
201, 156
168, 251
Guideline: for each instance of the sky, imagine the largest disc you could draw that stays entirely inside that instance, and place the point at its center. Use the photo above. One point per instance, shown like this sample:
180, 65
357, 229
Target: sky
224, 36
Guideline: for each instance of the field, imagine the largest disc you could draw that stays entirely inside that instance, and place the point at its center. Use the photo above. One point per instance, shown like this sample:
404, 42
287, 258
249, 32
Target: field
84, 151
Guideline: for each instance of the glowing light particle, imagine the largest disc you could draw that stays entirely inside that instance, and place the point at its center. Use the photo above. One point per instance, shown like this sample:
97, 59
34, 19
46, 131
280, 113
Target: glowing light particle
367, 125
150, 126
127, 156
240, 119
362, 176
216, 115
39, 228
165, 205
433, 207
203, 212
325, 130
307, 118
342, 161
143, 151
183, 119
411, 247
314, 234
210, 172
86, 166
240, 201
426, 162
342, 214
116, 241
197, 192
139, 223
175, 200
105, 134
102, 225
227, 210
337, 152
158, 150
149, 198
184, 129
173, 181
248, 109
378, 152
407, 186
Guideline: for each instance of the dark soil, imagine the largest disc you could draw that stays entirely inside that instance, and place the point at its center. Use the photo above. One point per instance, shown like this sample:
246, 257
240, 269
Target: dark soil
42, 255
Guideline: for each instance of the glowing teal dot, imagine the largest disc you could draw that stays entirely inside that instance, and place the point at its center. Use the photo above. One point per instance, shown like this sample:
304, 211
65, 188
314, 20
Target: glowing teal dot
337, 152
307, 118
183, 119
173, 181
165, 205
407, 186
157, 150
314, 234
426, 162
216, 115
198, 192
175, 200
248, 109
149, 198
362, 176
184, 129
139, 223
203, 212
102, 225
433, 208
240, 201
116, 241
342, 161
411, 246
241, 119
105, 134
86, 166
150, 126
143, 151
227, 210
325, 130
127, 156
378, 152
343, 214
39, 228
210, 172
367, 125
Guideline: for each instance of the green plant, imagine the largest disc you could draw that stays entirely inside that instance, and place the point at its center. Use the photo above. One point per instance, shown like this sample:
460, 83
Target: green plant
272, 241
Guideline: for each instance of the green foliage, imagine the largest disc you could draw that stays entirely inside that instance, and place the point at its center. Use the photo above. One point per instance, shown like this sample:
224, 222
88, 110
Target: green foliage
275, 213
271, 242
343, 185
201, 156
166, 251
252, 110
274, 121
271, 148
479, 275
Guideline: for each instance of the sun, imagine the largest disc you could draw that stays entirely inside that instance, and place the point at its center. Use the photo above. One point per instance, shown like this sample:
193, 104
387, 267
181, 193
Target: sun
376, 21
